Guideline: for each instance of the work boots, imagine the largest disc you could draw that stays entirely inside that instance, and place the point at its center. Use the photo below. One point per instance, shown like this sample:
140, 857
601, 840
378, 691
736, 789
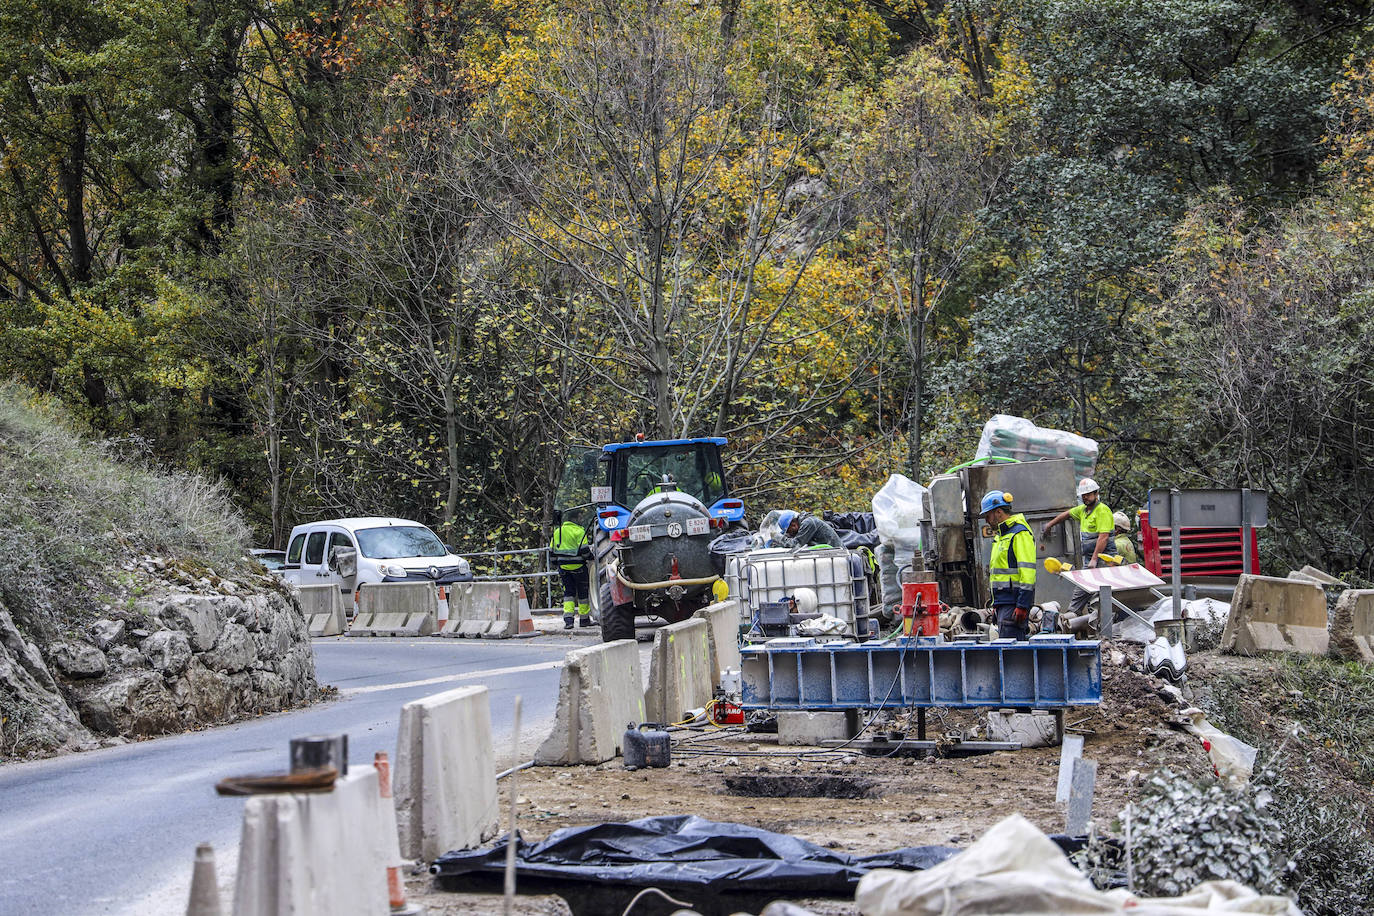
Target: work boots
584, 621
567, 622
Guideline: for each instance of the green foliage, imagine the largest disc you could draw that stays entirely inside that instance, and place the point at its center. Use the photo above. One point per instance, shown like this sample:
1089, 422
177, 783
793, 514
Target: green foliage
398, 256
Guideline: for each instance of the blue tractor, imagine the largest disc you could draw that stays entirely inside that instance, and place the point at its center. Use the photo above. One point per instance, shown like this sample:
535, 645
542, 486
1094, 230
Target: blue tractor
656, 507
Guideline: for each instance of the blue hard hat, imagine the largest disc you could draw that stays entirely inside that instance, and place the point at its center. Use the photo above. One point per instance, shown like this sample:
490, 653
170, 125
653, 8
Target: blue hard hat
785, 519
995, 499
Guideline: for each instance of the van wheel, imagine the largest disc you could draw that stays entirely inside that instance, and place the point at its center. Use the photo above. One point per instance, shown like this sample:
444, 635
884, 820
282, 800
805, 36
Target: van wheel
618, 622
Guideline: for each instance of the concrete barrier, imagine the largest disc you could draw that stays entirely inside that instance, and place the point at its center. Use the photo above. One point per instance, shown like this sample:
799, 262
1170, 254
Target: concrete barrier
600, 693
445, 774
679, 671
1352, 626
323, 607
1276, 615
490, 610
396, 609
317, 854
722, 636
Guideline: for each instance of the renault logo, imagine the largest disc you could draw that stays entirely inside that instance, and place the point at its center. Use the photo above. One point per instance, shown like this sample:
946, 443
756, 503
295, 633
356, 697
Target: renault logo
434, 572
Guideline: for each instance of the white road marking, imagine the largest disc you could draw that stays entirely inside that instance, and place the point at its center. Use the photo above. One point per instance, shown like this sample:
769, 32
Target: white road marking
447, 678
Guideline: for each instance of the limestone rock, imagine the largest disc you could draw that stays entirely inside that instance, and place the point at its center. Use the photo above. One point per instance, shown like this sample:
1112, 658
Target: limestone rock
136, 704
107, 632
78, 659
204, 696
125, 657
49, 722
200, 617
168, 651
234, 651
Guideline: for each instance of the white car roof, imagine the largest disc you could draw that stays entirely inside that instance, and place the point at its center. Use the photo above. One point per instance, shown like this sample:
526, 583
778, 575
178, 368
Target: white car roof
354, 524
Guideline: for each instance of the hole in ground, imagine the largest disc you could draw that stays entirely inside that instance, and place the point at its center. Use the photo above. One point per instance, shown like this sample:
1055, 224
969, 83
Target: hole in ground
801, 787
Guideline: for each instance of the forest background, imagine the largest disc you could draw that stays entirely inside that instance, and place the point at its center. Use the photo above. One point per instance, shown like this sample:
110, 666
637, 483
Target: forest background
397, 256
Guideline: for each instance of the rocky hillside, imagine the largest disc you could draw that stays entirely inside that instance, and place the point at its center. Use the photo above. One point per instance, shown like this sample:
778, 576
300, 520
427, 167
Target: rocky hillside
126, 607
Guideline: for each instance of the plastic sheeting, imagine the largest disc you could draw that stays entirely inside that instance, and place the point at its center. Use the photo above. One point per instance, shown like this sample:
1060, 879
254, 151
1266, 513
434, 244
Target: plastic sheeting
1014, 868
684, 852
1006, 436
898, 509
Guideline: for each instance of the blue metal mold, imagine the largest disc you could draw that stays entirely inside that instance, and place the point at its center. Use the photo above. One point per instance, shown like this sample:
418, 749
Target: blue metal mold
1047, 672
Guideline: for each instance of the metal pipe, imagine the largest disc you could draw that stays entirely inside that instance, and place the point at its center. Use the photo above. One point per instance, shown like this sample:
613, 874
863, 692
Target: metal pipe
515, 769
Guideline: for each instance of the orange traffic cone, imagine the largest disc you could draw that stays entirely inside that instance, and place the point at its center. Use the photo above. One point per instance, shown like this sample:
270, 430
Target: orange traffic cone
395, 884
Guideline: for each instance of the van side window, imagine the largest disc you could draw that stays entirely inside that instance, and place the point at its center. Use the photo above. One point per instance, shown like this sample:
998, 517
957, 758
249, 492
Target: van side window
293, 553
338, 539
314, 550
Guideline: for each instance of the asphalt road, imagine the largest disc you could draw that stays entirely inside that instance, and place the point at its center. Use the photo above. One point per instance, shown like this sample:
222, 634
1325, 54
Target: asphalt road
115, 830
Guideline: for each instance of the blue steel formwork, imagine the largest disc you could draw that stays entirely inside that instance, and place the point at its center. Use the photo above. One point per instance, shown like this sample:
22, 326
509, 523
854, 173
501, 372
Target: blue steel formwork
1047, 672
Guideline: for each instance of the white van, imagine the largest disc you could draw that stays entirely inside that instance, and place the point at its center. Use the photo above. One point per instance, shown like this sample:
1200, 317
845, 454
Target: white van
349, 552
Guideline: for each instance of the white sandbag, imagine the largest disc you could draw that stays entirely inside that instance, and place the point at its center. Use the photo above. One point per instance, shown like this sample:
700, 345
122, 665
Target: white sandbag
898, 510
1233, 759
1016, 869
1005, 436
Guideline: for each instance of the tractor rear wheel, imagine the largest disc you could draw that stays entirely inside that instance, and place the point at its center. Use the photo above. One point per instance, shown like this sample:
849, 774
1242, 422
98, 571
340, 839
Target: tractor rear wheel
618, 622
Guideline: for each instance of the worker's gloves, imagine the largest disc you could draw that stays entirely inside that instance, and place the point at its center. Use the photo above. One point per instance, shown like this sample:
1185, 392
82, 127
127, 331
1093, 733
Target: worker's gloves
1021, 614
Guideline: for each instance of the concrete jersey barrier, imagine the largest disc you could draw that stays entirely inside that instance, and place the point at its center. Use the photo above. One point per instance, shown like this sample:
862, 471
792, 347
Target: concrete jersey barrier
445, 774
1276, 615
323, 607
490, 610
599, 694
319, 854
722, 633
396, 609
1352, 626
679, 671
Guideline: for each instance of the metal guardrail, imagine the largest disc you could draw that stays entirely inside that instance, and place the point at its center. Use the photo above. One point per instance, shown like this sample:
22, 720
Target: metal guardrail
544, 570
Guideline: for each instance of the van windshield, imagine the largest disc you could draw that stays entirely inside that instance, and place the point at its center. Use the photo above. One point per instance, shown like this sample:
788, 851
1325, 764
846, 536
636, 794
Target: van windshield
399, 542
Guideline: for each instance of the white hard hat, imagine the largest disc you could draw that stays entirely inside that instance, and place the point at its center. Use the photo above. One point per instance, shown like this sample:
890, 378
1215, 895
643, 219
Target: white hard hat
1087, 485
1120, 520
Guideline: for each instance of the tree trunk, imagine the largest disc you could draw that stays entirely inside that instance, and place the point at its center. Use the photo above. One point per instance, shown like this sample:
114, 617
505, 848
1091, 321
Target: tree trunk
73, 180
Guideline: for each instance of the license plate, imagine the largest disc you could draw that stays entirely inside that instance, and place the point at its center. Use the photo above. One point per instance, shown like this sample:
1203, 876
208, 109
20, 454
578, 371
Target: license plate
640, 533
698, 526
601, 495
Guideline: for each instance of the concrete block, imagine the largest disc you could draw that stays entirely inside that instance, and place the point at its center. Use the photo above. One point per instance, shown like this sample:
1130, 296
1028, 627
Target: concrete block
811, 728
396, 609
722, 633
600, 693
445, 774
1030, 729
317, 854
679, 671
1276, 615
323, 607
1352, 626
1314, 574
490, 610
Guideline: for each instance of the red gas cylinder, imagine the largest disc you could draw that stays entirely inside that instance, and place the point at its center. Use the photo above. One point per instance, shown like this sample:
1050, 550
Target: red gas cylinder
921, 608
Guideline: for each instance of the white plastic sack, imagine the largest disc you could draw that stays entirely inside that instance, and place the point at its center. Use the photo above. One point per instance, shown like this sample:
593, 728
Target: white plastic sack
1016, 869
898, 510
1005, 436
1233, 759
824, 625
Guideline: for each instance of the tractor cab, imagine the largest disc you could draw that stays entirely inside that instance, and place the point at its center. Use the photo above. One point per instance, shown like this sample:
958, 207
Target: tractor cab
635, 471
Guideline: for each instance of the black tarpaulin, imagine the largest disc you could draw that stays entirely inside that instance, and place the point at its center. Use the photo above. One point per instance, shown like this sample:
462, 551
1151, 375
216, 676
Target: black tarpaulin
687, 851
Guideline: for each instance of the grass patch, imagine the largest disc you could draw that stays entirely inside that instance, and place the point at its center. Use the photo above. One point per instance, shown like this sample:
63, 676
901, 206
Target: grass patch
1320, 778
72, 511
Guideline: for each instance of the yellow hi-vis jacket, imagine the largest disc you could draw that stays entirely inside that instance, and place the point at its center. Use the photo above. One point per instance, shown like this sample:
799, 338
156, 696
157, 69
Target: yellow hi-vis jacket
1012, 566
567, 538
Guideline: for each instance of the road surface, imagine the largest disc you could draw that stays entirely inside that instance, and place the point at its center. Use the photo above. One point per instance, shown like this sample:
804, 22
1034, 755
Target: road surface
114, 831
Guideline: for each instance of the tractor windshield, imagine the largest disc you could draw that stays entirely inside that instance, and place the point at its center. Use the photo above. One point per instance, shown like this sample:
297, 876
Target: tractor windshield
639, 472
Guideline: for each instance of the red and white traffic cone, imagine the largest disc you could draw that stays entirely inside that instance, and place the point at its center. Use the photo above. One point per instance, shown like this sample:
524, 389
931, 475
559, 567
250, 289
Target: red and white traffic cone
395, 884
526, 627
